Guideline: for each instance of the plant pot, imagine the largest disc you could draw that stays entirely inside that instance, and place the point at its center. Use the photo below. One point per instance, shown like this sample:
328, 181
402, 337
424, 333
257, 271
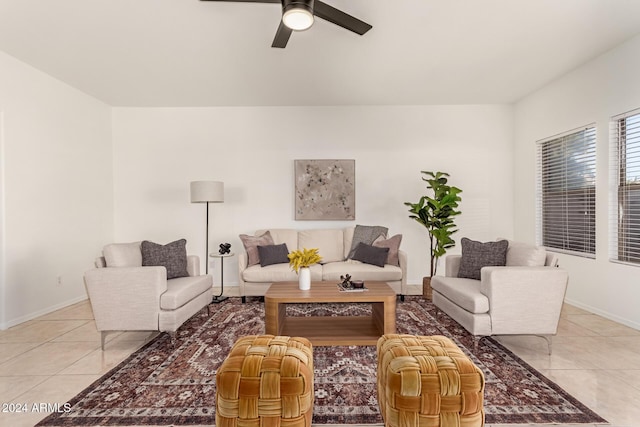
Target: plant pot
304, 278
426, 288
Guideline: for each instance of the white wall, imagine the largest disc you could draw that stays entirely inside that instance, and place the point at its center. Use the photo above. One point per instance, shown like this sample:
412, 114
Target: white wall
604, 87
56, 190
157, 152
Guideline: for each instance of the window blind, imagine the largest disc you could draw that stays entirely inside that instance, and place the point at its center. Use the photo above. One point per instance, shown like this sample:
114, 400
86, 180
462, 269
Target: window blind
566, 193
625, 206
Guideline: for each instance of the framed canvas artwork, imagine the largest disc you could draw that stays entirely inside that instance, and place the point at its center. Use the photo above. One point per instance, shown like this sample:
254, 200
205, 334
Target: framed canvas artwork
325, 189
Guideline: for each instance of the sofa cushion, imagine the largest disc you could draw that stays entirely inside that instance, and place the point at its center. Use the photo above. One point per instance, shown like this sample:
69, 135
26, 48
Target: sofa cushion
123, 255
463, 292
273, 254
251, 244
525, 254
360, 271
366, 234
182, 290
277, 273
371, 255
172, 256
476, 255
328, 241
393, 243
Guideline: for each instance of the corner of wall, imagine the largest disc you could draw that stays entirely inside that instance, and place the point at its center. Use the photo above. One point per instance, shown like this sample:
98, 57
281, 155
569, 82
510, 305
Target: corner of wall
3, 308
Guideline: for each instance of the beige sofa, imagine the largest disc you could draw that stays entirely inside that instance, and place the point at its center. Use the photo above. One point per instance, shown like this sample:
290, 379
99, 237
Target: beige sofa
125, 296
522, 298
334, 246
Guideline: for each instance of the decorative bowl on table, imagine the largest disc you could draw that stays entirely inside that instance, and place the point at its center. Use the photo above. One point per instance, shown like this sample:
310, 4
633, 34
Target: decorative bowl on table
357, 284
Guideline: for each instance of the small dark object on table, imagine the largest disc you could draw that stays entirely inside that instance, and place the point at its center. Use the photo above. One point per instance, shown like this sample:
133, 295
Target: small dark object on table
225, 248
347, 283
346, 280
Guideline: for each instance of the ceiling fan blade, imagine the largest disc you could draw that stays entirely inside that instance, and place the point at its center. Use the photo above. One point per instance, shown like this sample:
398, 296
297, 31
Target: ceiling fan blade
282, 36
340, 18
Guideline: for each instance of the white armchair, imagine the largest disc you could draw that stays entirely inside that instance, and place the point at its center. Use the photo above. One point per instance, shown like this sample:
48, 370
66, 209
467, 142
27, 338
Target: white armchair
130, 297
509, 300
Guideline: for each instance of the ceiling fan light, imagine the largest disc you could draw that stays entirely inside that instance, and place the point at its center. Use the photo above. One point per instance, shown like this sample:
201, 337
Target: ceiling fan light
297, 14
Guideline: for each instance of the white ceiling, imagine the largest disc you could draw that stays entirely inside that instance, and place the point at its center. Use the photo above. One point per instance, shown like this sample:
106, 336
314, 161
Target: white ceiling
196, 53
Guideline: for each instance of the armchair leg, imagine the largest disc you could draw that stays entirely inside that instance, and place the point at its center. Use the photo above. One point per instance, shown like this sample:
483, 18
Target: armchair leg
548, 339
103, 336
173, 335
244, 300
401, 297
476, 342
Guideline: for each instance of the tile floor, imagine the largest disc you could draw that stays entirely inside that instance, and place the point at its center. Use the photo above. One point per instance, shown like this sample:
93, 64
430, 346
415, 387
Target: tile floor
54, 357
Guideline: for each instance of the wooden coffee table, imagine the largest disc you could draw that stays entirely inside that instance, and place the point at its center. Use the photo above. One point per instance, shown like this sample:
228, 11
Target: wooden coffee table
341, 330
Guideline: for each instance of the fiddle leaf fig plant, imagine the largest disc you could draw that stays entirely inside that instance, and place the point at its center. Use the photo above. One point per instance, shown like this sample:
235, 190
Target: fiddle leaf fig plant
437, 213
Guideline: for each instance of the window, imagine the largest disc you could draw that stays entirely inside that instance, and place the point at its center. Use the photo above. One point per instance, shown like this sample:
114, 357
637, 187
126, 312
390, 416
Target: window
625, 135
566, 196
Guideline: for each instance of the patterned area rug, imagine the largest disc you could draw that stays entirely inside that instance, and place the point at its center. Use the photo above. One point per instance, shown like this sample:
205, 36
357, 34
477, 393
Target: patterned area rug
165, 385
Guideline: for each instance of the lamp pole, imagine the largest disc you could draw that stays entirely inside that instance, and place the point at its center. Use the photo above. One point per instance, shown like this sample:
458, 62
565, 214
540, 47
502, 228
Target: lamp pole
207, 192
206, 244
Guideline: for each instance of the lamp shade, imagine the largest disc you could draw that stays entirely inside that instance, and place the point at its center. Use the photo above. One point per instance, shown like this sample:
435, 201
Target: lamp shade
207, 191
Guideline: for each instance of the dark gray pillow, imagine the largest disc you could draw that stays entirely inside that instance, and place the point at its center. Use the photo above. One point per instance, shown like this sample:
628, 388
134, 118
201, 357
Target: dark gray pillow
366, 234
476, 255
371, 254
273, 254
172, 256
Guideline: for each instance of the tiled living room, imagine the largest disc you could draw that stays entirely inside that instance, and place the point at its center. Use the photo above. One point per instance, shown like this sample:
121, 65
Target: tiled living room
54, 357
110, 109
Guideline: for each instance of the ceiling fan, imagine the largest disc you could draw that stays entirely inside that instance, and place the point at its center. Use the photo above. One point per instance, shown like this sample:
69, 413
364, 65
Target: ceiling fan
297, 15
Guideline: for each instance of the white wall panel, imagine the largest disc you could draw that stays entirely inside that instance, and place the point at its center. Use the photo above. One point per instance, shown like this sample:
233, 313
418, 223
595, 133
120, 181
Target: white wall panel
604, 87
157, 152
58, 200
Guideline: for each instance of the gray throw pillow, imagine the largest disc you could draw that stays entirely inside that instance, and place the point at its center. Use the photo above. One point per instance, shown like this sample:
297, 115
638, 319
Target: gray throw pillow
476, 255
172, 256
273, 254
251, 246
366, 234
371, 254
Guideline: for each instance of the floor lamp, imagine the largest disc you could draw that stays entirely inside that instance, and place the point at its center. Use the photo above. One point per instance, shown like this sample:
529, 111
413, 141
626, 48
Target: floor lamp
207, 192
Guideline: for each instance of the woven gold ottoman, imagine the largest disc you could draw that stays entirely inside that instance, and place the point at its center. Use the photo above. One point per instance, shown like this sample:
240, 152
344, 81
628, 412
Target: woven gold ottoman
266, 381
428, 382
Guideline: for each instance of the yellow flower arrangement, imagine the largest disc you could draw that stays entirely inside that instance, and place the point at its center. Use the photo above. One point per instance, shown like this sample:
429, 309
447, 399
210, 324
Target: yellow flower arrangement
304, 258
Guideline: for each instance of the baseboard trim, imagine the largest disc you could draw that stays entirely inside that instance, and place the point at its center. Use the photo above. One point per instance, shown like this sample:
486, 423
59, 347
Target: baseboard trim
605, 314
34, 315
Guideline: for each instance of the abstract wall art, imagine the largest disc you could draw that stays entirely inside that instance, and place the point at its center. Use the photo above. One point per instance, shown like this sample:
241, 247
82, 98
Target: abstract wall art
325, 189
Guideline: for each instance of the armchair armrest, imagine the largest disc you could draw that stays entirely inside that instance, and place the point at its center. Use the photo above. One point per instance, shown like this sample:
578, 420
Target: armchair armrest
193, 265
452, 265
524, 300
126, 298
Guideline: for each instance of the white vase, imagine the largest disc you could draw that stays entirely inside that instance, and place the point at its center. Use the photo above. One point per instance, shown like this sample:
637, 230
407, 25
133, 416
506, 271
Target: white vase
304, 278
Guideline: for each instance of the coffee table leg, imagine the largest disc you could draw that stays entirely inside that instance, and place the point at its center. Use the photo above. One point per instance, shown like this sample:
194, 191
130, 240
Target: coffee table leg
390, 316
384, 316
274, 317
282, 318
